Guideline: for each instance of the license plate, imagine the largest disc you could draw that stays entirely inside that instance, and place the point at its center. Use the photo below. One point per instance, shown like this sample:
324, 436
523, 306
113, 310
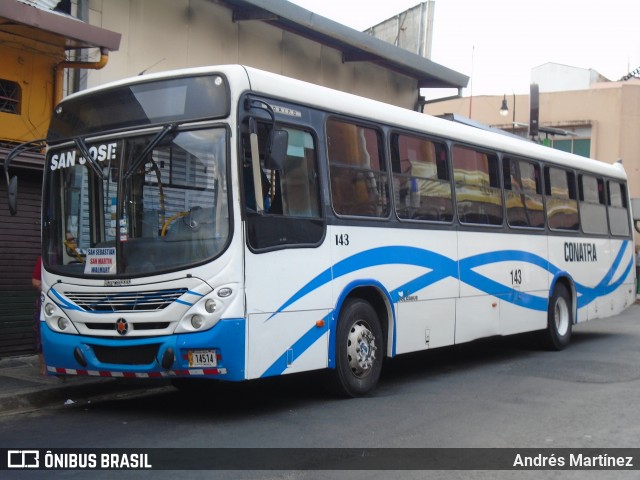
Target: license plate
202, 358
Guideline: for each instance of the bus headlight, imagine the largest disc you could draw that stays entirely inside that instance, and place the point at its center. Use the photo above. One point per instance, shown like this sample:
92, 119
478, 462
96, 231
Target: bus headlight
206, 313
63, 323
210, 305
197, 321
49, 308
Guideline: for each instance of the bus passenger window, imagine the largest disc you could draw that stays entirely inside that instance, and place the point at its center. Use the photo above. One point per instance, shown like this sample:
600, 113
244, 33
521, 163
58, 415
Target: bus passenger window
478, 193
593, 211
291, 215
561, 203
523, 193
356, 170
299, 179
421, 179
618, 209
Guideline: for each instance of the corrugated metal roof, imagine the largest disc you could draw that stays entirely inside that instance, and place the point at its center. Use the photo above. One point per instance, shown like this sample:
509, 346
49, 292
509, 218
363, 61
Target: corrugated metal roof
67, 30
354, 45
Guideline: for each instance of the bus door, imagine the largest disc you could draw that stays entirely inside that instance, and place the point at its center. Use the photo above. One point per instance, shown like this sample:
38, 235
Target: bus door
288, 299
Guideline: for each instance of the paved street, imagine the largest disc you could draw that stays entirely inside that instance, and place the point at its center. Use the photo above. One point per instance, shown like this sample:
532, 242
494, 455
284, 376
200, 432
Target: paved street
495, 393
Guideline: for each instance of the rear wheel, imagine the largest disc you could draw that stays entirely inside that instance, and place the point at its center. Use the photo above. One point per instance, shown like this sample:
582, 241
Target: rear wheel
359, 350
559, 319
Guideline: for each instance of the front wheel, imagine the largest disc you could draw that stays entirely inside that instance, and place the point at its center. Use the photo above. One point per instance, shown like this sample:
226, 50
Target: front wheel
359, 350
559, 320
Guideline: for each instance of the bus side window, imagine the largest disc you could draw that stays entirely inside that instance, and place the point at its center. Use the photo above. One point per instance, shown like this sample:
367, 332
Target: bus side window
561, 204
523, 195
593, 211
292, 215
420, 179
478, 192
618, 209
299, 177
356, 170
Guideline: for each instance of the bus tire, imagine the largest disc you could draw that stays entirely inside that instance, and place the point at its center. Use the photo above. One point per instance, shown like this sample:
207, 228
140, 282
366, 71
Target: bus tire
359, 350
559, 319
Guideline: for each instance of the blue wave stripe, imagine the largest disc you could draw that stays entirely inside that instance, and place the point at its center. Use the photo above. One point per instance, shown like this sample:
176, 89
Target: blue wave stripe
191, 292
372, 258
297, 349
64, 303
443, 267
182, 302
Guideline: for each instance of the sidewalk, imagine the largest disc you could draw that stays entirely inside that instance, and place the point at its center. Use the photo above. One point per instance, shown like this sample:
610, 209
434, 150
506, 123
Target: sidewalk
22, 388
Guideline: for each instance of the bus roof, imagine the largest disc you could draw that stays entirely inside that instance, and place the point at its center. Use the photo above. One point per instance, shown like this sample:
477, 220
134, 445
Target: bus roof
335, 101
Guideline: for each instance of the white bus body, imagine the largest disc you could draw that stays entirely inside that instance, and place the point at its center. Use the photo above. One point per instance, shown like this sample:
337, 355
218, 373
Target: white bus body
262, 304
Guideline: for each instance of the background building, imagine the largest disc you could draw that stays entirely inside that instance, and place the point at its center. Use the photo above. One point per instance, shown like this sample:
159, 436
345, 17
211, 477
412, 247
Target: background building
276, 36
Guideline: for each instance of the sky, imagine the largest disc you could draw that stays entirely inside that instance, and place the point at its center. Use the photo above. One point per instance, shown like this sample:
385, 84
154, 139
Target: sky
498, 42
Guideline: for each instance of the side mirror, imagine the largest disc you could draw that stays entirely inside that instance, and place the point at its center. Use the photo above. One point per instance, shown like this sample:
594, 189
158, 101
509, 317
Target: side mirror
13, 195
277, 149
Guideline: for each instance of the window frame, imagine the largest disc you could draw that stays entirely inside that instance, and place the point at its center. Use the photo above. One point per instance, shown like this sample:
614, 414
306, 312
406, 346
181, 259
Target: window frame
383, 174
624, 206
601, 193
394, 147
275, 230
15, 100
572, 195
539, 191
491, 154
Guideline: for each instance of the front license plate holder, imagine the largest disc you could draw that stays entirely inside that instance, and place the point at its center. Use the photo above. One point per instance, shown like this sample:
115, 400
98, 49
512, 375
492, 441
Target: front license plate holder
202, 358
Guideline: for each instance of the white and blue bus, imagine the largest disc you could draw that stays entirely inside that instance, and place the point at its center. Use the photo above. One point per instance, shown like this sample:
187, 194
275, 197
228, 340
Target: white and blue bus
229, 223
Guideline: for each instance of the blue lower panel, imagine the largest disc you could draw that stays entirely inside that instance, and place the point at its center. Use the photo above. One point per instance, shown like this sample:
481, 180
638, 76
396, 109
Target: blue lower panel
143, 356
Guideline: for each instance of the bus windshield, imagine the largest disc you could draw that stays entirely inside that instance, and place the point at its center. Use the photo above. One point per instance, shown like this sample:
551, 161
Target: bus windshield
136, 205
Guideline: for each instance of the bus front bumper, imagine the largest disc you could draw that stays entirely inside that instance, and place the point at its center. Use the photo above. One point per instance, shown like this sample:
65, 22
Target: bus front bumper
216, 353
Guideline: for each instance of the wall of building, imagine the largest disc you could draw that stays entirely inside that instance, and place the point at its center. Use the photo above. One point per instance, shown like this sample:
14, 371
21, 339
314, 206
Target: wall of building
30, 64
612, 111
555, 77
160, 35
629, 134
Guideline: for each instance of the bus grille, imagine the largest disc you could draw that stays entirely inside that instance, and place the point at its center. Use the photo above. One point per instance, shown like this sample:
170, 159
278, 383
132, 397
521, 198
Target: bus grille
138, 355
136, 326
150, 301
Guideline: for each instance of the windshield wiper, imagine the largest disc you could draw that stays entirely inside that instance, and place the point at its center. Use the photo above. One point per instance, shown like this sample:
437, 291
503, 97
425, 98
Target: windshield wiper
85, 153
150, 146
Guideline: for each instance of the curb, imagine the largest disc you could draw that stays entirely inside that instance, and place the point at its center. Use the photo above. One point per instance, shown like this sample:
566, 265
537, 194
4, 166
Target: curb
58, 396
22, 388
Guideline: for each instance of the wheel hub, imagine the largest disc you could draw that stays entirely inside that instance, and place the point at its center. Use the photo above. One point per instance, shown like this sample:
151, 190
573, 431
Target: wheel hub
361, 349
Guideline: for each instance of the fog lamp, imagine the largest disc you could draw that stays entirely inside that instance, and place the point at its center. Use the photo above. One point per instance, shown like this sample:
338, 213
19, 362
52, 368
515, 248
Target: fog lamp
197, 321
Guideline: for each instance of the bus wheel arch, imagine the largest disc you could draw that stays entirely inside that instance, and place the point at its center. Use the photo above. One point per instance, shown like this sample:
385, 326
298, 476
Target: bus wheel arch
561, 315
361, 334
